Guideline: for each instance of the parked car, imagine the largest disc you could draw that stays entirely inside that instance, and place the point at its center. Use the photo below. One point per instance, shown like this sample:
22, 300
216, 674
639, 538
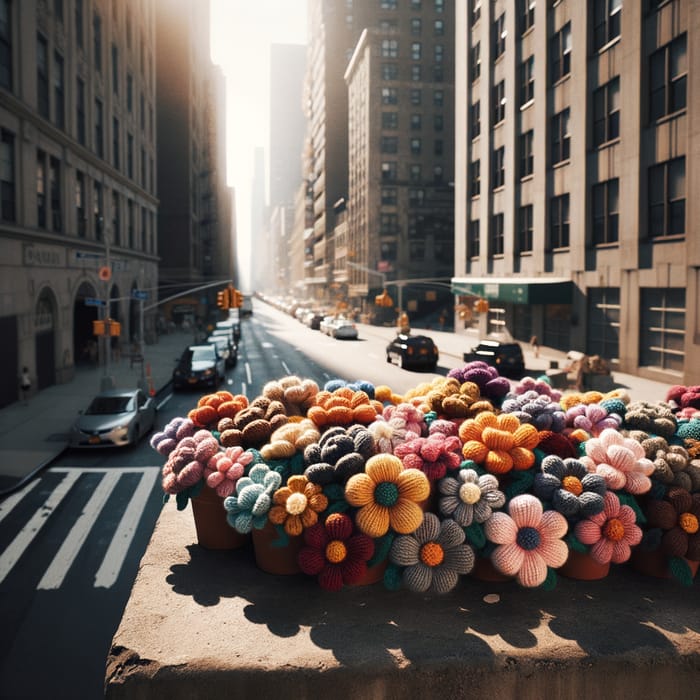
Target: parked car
344, 329
313, 321
506, 357
114, 418
226, 348
326, 325
199, 365
413, 351
247, 306
232, 326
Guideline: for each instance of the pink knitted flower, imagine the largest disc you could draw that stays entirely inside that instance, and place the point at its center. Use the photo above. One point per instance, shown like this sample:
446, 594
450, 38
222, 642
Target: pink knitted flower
593, 418
434, 456
529, 540
185, 464
406, 417
225, 468
620, 461
610, 533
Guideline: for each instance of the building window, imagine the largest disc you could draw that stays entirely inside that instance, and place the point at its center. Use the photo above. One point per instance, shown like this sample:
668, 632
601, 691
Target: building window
80, 111
416, 72
390, 96
79, 23
131, 223
438, 73
498, 40
499, 102
390, 120
415, 146
498, 177
438, 147
606, 210
7, 175
41, 189
558, 222
80, 215
99, 130
416, 96
5, 44
59, 92
55, 194
606, 112
475, 61
390, 71
130, 92
416, 251
560, 52
666, 196
497, 235
439, 27
668, 72
416, 51
416, 4
560, 137
98, 211
526, 13
130, 155
388, 4
473, 239
475, 178
389, 171
603, 323
662, 341
390, 48
475, 119
42, 76
389, 196
389, 224
476, 11
439, 53
415, 172
58, 10
97, 41
143, 168
142, 111
416, 197
439, 5
527, 156
416, 26
438, 98
416, 122
438, 122
116, 218
144, 233
606, 22
389, 144
115, 142
525, 228
115, 69
527, 80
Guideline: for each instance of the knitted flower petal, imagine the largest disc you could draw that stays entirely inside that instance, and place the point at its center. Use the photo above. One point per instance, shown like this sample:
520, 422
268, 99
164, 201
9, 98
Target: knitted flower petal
373, 519
602, 551
331, 579
587, 531
552, 525
359, 490
418, 577
360, 547
508, 558
311, 561
533, 571
501, 529
405, 551
405, 516
444, 579
413, 485
637, 483
450, 534
526, 511
429, 530
459, 559
614, 478
553, 552
620, 552
383, 468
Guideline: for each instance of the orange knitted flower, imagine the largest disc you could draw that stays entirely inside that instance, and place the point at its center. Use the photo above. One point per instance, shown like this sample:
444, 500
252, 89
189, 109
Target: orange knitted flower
297, 505
387, 495
343, 407
499, 443
211, 407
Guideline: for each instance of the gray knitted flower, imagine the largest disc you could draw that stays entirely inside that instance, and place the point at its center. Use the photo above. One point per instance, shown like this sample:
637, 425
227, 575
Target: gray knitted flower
468, 497
434, 555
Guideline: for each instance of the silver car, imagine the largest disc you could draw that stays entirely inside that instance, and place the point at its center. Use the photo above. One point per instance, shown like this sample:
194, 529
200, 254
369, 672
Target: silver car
114, 418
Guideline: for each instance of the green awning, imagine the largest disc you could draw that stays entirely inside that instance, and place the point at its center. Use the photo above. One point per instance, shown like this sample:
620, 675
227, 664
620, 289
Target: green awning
530, 291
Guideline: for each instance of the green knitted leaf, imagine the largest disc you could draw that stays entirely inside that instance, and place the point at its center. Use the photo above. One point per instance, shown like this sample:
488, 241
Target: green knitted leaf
392, 577
539, 456
382, 545
166, 498
550, 582
627, 499
574, 544
282, 539
680, 570
182, 499
430, 417
475, 535
520, 482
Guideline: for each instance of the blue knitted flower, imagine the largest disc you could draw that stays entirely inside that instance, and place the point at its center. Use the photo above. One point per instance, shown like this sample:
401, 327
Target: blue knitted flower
249, 507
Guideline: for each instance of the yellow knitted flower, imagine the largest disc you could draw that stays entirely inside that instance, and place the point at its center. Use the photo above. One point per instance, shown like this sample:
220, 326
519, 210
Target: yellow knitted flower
387, 496
500, 443
297, 505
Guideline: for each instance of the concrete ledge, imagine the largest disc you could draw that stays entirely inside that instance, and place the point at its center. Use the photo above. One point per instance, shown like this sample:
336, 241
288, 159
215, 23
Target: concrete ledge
207, 624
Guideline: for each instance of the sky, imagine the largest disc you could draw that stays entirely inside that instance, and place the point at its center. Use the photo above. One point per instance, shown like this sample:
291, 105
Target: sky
241, 34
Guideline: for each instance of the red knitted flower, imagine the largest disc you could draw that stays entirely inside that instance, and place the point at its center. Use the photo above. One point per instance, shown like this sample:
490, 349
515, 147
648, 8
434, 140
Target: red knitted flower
335, 552
434, 455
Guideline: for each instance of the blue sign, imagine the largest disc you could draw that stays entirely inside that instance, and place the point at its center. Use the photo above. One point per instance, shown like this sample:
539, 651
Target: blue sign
138, 294
89, 301
83, 255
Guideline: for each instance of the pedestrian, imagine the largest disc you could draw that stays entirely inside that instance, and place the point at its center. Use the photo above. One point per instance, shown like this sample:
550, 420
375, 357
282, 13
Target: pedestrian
535, 345
25, 384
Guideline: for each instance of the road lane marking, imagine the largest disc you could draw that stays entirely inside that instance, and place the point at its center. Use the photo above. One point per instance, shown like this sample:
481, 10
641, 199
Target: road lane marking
286, 369
17, 547
113, 561
11, 501
248, 373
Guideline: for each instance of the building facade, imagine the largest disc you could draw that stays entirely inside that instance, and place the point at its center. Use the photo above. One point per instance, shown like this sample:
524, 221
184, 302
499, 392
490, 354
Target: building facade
577, 145
77, 174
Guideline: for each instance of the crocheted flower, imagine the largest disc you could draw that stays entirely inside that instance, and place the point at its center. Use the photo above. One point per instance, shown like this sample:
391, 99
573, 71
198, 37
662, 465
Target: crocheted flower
654, 418
387, 495
343, 407
224, 469
297, 395
335, 552
297, 505
621, 461
338, 455
434, 556
611, 533
165, 441
185, 464
435, 455
538, 409
540, 386
290, 438
500, 443
672, 464
528, 539
468, 497
248, 509
593, 418
490, 383
571, 489
678, 515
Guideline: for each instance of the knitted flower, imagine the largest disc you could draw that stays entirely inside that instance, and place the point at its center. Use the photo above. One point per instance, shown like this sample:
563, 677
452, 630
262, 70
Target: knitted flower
490, 383
338, 455
185, 464
224, 469
620, 461
500, 443
571, 489
165, 441
396, 425
335, 552
434, 556
387, 495
528, 539
610, 533
435, 455
538, 409
297, 395
678, 515
297, 505
593, 418
468, 497
654, 418
248, 509
290, 438
343, 407
540, 386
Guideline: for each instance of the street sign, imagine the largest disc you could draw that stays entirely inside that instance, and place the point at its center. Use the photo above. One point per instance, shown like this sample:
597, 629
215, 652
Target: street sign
89, 301
139, 294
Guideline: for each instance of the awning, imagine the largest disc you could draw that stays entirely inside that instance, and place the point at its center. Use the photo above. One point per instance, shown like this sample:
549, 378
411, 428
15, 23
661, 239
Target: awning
517, 290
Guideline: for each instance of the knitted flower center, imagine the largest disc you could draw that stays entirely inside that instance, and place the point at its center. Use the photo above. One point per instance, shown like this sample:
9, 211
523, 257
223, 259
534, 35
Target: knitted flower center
432, 554
528, 538
296, 504
386, 493
614, 530
336, 551
573, 485
689, 523
469, 493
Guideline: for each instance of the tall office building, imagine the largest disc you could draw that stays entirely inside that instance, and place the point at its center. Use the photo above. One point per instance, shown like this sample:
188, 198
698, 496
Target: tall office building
577, 149
77, 176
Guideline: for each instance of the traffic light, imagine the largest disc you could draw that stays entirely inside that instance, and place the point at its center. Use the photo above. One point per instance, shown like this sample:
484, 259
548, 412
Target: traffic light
383, 299
236, 298
222, 299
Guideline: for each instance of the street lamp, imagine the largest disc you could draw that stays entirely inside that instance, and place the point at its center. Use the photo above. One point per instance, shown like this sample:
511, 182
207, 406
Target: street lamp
107, 381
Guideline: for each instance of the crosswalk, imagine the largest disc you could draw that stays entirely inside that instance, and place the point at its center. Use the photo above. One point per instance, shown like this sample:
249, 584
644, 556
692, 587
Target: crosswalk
43, 510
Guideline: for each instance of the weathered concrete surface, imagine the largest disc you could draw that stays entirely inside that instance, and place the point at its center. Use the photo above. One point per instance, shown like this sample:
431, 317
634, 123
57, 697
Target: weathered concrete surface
205, 624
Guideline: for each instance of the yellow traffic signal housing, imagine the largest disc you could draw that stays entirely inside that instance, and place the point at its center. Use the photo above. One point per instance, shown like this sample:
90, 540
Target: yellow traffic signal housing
115, 328
383, 299
236, 298
98, 327
222, 299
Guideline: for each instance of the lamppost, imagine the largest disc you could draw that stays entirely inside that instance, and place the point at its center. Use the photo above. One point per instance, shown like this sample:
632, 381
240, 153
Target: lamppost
107, 381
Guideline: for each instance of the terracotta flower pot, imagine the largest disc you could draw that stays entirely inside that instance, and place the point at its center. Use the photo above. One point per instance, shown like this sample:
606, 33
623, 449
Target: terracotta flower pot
271, 555
213, 532
655, 563
581, 566
484, 570
373, 575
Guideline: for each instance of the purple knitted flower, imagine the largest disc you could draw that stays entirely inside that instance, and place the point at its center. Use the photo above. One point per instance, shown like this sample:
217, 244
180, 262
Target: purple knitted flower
491, 384
537, 409
165, 441
538, 385
593, 418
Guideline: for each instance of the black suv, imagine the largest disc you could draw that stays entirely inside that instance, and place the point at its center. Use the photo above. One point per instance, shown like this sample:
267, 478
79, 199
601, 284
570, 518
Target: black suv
507, 358
413, 351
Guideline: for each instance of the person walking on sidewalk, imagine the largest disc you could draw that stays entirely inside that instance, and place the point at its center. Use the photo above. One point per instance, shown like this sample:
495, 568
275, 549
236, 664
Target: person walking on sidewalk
535, 344
25, 384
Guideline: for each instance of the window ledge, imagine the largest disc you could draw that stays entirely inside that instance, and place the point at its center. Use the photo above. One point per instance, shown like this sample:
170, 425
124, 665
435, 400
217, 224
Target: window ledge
525, 253
527, 104
527, 178
669, 117
675, 238
561, 164
606, 246
607, 46
606, 144
561, 80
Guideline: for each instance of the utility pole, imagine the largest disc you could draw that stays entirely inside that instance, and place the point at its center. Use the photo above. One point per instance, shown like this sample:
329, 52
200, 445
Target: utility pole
107, 380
